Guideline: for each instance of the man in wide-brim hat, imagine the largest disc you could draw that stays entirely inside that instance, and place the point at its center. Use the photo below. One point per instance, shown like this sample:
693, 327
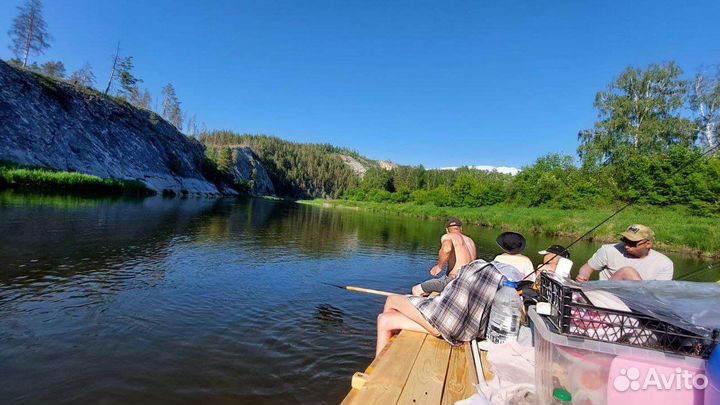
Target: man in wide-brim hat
513, 244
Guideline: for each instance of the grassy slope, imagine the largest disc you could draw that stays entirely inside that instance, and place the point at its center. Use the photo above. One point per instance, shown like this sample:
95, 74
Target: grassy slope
12, 176
676, 230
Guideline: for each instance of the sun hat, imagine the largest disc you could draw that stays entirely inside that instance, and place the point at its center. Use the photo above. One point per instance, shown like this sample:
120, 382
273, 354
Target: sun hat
511, 242
452, 221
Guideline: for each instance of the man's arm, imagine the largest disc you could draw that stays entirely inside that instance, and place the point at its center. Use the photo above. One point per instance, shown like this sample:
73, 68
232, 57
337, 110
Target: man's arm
585, 273
443, 255
597, 262
667, 272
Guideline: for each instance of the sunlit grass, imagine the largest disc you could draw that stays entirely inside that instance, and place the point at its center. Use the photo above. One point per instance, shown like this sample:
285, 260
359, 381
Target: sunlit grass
12, 176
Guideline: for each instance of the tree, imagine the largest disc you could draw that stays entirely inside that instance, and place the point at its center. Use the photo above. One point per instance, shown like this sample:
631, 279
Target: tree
128, 81
83, 76
705, 103
53, 69
192, 128
113, 69
28, 32
225, 160
145, 100
171, 107
639, 112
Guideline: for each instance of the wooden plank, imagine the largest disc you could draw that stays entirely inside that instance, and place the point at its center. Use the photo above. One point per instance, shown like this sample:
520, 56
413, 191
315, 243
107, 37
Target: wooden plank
427, 378
385, 383
487, 374
350, 397
461, 376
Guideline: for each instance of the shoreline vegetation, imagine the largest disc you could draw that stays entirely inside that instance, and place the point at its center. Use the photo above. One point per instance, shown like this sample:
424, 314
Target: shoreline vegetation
40, 179
677, 231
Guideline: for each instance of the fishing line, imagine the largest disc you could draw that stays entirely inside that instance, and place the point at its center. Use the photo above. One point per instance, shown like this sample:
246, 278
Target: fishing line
623, 208
712, 266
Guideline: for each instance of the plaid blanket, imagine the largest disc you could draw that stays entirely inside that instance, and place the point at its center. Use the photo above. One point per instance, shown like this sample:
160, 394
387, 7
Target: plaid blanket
461, 312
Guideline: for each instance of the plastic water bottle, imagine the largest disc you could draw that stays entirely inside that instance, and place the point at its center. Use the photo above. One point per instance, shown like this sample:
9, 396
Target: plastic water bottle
505, 314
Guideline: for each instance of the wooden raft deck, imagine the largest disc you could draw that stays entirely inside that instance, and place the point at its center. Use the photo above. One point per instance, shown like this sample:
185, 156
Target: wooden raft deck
416, 369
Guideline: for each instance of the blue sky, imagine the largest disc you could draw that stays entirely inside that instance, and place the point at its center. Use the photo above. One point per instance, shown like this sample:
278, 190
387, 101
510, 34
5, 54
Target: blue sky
435, 83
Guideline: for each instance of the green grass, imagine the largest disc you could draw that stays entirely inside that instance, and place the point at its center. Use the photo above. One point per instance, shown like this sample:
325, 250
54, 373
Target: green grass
13, 176
676, 229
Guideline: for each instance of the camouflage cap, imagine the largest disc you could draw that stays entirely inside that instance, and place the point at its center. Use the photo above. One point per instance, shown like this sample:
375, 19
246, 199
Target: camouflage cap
638, 232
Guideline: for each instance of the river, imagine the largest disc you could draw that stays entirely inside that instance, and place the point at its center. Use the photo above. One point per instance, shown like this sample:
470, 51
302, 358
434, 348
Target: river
200, 300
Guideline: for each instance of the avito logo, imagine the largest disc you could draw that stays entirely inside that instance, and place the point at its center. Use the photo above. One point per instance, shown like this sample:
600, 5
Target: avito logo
630, 379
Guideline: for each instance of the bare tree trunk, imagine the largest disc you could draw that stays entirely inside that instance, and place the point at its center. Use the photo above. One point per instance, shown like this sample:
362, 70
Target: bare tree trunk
710, 135
28, 42
112, 71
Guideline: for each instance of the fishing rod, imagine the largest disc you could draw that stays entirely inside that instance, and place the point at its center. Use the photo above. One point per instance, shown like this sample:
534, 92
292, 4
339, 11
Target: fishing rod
712, 266
621, 209
363, 290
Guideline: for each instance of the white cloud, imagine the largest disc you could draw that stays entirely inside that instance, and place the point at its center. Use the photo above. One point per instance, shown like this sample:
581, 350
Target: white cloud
500, 169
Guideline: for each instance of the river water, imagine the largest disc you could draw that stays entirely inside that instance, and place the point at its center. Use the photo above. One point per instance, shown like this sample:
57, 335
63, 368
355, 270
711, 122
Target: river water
201, 300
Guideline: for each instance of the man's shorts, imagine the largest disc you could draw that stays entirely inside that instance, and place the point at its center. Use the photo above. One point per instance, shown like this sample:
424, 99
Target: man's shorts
435, 284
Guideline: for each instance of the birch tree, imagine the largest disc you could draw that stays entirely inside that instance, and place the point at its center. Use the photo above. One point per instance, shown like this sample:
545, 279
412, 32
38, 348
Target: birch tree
113, 69
28, 32
705, 103
639, 112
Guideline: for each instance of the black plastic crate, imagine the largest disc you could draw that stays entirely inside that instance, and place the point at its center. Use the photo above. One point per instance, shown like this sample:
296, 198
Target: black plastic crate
573, 315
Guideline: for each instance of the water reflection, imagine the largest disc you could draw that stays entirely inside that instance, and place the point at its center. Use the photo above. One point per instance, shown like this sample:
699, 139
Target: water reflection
200, 300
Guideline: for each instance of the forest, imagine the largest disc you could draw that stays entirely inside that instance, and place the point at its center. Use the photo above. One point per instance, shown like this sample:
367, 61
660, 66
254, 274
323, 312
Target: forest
655, 143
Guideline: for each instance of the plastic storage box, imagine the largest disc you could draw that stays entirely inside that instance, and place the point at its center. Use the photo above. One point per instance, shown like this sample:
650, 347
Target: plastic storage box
596, 372
573, 314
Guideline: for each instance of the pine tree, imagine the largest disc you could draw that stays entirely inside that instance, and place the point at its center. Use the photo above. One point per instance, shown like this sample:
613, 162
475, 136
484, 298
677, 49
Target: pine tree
53, 69
171, 107
28, 31
128, 81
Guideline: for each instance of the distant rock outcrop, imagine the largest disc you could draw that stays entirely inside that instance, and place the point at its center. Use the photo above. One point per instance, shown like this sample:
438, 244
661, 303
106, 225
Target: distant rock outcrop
358, 167
53, 124
247, 167
361, 166
386, 164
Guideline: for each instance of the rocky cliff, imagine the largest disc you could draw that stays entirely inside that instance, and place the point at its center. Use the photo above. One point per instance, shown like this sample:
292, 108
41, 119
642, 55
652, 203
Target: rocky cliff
247, 167
360, 165
57, 125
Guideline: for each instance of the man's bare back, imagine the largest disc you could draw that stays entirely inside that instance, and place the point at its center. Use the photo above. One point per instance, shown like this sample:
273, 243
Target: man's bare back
463, 251
456, 250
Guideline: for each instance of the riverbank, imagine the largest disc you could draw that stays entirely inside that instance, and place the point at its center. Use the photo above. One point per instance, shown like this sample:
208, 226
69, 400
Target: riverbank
677, 231
39, 179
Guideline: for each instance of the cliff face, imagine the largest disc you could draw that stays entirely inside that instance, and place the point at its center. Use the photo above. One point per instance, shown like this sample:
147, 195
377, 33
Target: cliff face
247, 167
56, 125
360, 167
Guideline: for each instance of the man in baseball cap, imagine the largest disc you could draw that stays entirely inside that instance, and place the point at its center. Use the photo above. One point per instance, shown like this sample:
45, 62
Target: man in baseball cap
456, 250
632, 259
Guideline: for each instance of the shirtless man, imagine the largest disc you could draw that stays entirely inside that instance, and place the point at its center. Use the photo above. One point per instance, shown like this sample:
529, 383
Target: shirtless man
456, 250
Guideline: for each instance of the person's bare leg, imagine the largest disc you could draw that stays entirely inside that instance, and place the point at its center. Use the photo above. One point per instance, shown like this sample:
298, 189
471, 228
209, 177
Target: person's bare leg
401, 303
626, 273
418, 291
400, 314
390, 322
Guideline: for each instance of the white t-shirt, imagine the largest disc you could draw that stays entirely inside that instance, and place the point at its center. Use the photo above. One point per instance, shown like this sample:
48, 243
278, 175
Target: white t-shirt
520, 262
609, 258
